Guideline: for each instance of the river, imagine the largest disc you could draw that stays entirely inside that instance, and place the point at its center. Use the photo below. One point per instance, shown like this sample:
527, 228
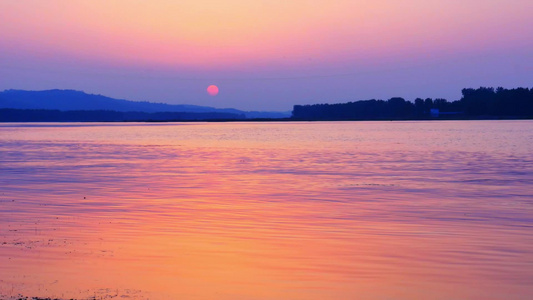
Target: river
289, 210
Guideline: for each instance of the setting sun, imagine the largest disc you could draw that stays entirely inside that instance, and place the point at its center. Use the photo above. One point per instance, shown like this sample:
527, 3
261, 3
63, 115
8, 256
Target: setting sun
212, 90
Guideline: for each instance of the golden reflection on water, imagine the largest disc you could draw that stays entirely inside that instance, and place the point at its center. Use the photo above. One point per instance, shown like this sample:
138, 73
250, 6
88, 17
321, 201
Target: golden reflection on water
377, 210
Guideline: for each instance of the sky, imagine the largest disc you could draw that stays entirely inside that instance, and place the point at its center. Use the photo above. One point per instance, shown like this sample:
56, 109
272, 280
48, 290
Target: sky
266, 54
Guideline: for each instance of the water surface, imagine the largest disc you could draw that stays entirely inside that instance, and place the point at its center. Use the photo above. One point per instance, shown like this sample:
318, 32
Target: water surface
332, 210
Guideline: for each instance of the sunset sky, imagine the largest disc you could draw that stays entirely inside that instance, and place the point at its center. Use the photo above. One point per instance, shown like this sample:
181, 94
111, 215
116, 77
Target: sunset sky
266, 54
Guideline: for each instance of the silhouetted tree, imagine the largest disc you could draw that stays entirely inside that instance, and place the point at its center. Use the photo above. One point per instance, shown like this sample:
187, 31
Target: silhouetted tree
419, 107
428, 105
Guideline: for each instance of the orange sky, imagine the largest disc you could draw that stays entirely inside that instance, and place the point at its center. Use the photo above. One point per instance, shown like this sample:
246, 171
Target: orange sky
214, 33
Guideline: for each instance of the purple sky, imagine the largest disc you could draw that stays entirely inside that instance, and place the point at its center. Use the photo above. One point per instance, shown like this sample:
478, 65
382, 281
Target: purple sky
266, 55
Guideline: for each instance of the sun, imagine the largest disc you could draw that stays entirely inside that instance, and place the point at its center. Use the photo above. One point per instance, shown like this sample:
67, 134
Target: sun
212, 90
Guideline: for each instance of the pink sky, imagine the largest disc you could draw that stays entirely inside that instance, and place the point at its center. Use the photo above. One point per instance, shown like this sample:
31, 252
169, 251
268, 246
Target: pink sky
266, 54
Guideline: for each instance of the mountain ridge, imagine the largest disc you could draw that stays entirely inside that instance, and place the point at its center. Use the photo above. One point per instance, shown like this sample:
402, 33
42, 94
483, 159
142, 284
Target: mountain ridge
69, 100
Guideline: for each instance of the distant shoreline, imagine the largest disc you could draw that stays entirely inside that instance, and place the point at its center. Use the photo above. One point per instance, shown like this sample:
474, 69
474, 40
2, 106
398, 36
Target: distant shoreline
284, 120
75, 106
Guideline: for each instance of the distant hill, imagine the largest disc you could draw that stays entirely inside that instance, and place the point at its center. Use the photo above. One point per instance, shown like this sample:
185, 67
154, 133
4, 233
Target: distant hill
71, 100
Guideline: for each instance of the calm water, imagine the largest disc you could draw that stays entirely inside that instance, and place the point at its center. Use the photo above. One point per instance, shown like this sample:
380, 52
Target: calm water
348, 210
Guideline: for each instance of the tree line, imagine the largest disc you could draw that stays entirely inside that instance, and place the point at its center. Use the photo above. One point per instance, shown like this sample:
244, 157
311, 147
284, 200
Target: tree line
47, 115
484, 102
